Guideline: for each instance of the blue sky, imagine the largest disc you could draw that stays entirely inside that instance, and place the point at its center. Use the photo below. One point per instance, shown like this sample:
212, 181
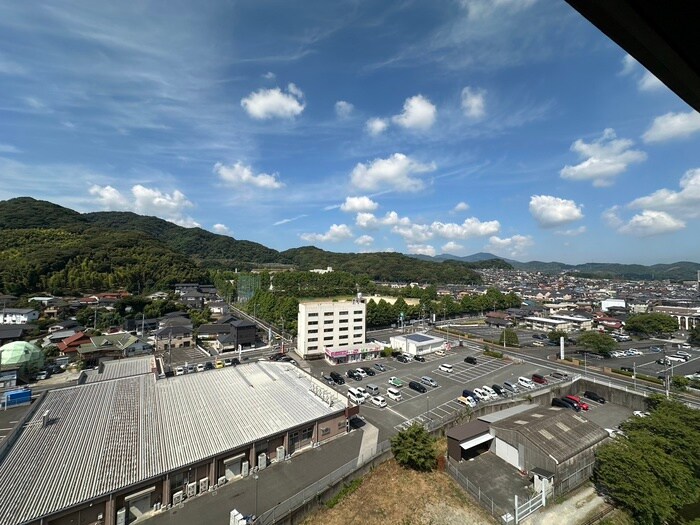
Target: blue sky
509, 126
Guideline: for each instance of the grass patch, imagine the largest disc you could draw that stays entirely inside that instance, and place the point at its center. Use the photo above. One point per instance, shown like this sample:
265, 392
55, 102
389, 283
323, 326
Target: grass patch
493, 353
348, 489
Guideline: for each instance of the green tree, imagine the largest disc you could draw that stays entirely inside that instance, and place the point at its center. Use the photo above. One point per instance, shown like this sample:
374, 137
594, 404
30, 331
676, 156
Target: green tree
510, 336
597, 342
414, 448
651, 324
554, 335
655, 469
679, 383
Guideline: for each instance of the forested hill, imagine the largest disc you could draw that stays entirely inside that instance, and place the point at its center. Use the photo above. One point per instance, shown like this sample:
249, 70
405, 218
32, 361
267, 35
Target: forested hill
46, 247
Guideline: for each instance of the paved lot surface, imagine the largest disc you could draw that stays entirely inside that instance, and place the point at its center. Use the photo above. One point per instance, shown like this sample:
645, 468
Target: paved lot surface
9, 419
274, 484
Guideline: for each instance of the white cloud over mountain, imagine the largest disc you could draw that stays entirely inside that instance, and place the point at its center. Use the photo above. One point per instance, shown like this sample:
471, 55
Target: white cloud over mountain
336, 233
551, 211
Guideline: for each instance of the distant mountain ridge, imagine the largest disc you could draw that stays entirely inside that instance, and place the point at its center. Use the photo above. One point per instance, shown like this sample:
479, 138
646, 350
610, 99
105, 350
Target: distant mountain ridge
677, 271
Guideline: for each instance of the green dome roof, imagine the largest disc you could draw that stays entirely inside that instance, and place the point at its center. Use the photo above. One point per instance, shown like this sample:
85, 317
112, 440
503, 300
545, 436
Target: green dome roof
20, 352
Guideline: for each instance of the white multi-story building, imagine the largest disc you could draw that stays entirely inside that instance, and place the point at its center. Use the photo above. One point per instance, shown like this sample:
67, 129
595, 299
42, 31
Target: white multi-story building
329, 324
18, 315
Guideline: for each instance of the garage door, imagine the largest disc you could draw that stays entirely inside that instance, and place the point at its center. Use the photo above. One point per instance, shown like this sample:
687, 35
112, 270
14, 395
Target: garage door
507, 453
138, 504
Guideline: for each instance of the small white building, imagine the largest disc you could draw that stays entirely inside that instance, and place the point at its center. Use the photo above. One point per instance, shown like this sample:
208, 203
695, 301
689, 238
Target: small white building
18, 315
329, 324
353, 354
606, 304
577, 322
546, 324
417, 344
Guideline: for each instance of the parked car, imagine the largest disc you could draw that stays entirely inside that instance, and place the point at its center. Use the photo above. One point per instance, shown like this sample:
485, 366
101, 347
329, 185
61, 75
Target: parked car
43, 374
467, 400
287, 359
470, 359
565, 403
589, 394
559, 375
367, 370
395, 381
360, 372
684, 353
190, 369
210, 366
427, 380
576, 399
418, 387
655, 349
540, 379
627, 369
525, 382
468, 393
200, 367
490, 391
403, 359
235, 361
352, 374
499, 390
512, 387
362, 392
379, 401
179, 371
393, 393
419, 358
444, 367
379, 367
327, 379
337, 378
219, 363
440, 352
675, 358
483, 396
639, 413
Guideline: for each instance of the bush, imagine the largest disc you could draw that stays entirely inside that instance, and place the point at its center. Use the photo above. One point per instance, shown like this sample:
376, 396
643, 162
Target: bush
414, 448
493, 353
386, 352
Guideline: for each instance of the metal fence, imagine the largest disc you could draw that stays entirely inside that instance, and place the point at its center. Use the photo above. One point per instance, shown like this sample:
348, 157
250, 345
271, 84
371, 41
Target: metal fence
574, 480
523, 510
283, 509
486, 502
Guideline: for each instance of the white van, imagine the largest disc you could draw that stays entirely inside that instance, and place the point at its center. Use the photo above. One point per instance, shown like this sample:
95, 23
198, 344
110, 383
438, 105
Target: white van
446, 368
393, 393
525, 382
355, 396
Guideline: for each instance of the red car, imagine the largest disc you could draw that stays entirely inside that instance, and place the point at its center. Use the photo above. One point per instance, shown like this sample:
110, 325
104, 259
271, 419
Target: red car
576, 399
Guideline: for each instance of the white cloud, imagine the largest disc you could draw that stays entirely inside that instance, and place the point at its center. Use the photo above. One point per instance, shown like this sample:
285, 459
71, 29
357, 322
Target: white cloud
274, 103
611, 217
510, 246
474, 103
551, 211
343, 109
418, 113
34, 103
605, 158
241, 175
376, 126
336, 233
421, 249
629, 64
650, 223
370, 221
285, 221
471, 227
649, 82
461, 206
358, 204
480, 10
685, 202
146, 201
452, 248
270, 75
364, 240
221, 229
574, 232
672, 126
396, 172
413, 233
8, 148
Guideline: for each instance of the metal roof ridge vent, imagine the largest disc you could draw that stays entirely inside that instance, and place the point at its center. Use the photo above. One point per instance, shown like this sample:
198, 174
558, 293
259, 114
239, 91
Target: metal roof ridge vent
45, 419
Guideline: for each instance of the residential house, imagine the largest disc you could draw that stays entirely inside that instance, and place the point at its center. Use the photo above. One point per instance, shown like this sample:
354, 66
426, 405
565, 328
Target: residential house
242, 333
69, 346
112, 346
173, 337
18, 315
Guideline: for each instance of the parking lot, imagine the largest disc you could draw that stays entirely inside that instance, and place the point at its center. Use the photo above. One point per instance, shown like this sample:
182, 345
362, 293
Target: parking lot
436, 402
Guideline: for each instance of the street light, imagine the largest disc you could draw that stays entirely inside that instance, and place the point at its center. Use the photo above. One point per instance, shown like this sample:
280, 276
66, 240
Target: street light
255, 477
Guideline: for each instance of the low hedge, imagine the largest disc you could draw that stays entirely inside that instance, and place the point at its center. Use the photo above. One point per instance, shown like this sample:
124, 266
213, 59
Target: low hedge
493, 353
642, 377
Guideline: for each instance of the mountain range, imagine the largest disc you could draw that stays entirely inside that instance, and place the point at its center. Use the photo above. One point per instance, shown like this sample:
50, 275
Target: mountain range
46, 247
